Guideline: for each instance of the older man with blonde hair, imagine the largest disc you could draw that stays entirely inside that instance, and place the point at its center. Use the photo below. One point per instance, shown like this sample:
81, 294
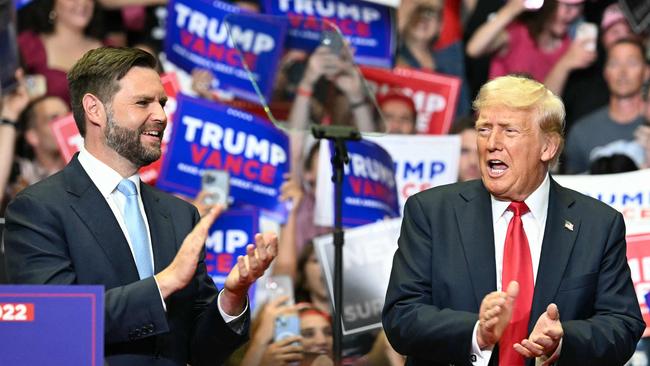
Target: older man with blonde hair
512, 269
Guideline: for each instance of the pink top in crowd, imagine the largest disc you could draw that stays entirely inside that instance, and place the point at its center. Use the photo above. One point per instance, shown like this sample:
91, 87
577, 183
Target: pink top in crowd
32, 51
523, 56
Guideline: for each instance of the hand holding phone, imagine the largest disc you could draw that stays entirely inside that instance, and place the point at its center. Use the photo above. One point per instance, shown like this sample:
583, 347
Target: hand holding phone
332, 40
588, 31
36, 86
286, 326
280, 285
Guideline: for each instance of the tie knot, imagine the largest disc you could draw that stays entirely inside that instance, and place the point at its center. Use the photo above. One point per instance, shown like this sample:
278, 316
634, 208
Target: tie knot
127, 187
518, 208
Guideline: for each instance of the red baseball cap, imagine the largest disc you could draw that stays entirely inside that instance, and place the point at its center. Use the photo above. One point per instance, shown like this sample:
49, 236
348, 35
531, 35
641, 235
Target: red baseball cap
396, 94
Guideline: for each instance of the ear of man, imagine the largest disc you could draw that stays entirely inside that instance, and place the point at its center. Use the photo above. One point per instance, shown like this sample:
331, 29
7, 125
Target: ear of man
95, 111
550, 147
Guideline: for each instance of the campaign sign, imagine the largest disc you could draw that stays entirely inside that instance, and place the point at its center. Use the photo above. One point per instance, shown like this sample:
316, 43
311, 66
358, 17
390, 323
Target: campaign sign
435, 95
69, 140
369, 188
421, 161
22, 3
67, 136
638, 258
209, 135
629, 194
367, 26
201, 34
367, 261
229, 235
51, 325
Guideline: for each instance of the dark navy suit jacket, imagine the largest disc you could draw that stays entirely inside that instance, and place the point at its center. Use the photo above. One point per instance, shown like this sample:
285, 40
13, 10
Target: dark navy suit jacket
445, 265
62, 231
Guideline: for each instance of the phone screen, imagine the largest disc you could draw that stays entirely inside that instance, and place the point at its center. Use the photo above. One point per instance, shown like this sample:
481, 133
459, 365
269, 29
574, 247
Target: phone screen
8, 47
533, 4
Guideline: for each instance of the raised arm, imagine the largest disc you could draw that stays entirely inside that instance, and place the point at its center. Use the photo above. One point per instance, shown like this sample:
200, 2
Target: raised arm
577, 57
491, 36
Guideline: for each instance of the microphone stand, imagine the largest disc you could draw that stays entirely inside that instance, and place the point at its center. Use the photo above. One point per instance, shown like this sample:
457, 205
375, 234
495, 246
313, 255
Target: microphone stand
338, 135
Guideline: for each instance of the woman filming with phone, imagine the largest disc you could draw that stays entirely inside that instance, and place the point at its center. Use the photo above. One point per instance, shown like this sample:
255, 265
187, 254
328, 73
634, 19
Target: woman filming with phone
290, 335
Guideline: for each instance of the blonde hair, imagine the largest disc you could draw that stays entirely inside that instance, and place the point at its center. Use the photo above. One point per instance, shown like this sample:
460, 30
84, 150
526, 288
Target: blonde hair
525, 94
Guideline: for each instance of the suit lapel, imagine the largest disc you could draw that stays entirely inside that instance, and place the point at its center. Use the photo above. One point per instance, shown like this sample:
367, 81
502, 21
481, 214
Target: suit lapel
474, 215
560, 234
91, 208
161, 228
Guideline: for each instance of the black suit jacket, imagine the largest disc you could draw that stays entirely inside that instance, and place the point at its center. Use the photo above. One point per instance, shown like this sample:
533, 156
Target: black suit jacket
445, 266
62, 231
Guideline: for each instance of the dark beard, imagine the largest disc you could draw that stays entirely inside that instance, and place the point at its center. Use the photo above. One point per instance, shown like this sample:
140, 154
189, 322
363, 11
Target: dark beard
126, 142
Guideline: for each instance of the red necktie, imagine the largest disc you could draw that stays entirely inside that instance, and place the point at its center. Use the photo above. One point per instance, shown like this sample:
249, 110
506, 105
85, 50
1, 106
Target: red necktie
517, 266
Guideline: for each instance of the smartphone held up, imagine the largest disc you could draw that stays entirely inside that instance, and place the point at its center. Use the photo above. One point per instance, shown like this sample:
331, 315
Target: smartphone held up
217, 185
533, 4
588, 32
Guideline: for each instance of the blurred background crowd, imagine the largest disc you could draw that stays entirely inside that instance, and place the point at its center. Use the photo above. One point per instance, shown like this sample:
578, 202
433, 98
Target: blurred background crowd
603, 81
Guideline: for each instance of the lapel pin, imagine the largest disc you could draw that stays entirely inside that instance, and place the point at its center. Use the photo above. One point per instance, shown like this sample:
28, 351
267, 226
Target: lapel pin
568, 225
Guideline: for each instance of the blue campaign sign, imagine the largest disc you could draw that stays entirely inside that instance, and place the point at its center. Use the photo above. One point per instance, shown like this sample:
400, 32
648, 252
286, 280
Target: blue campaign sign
51, 325
369, 188
229, 235
208, 135
367, 26
22, 3
199, 36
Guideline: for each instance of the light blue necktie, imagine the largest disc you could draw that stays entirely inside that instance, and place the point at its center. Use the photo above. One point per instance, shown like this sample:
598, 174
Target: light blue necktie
136, 228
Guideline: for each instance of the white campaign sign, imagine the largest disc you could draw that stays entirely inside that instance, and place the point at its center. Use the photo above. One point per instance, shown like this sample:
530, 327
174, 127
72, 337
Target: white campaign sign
367, 261
628, 193
421, 161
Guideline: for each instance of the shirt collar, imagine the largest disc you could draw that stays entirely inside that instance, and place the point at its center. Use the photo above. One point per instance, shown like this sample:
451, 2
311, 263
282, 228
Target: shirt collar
537, 202
103, 176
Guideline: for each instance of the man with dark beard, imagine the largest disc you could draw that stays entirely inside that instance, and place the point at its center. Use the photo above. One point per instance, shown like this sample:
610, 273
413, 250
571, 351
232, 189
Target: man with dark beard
95, 223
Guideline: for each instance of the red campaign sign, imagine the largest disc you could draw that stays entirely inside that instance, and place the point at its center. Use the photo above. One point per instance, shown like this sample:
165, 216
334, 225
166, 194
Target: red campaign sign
67, 136
638, 258
70, 141
435, 95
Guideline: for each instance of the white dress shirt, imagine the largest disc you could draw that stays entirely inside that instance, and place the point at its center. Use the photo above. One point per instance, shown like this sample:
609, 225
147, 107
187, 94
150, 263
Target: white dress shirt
106, 180
534, 223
